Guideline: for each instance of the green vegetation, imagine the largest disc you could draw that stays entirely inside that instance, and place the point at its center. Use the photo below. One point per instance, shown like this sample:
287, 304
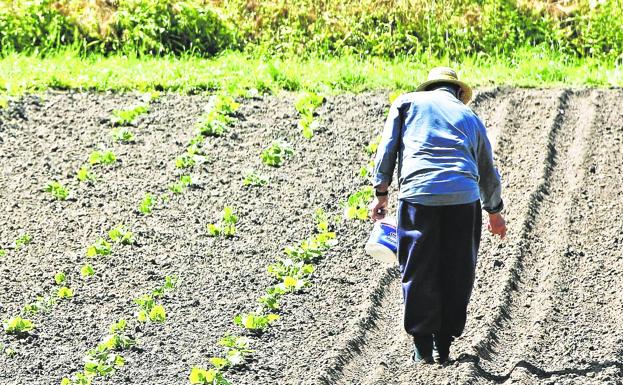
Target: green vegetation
120, 234
106, 157
226, 227
60, 278
22, 241
84, 174
122, 134
87, 271
179, 187
277, 153
65, 292
41, 305
356, 207
128, 116
17, 325
255, 321
253, 179
206, 377
147, 204
100, 247
57, 190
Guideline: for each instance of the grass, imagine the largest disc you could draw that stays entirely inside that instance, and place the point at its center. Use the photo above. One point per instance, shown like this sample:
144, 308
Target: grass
235, 72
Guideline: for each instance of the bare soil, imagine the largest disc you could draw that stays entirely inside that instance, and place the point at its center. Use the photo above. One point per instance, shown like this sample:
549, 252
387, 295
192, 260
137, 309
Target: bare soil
546, 307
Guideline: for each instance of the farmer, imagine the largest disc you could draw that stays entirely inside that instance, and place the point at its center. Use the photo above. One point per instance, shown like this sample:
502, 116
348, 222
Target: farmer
445, 171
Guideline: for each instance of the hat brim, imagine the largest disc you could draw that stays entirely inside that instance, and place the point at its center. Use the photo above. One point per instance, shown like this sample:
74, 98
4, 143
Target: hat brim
467, 90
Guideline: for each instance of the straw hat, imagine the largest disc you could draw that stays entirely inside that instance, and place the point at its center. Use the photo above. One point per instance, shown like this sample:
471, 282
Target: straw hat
446, 75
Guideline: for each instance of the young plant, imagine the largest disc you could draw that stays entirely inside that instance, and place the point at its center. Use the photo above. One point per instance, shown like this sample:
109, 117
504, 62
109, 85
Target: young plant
179, 187
308, 102
149, 310
277, 153
60, 278
87, 271
185, 161
122, 134
147, 204
373, 145
22, 241
308, 125
2, 253
236, 351
65, 292
102, 157
117, 340
17, 325
120, 234
41, 305
356, 207
170, 283
322, 220
253, 179
224, 104
100, 247
84, 174
200, 376
214, 123
57, 190
255, 321
367, 170
227, 226
289, 268
128, 116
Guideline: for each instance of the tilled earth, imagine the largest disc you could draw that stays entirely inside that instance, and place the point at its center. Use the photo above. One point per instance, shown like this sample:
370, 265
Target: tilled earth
546, 308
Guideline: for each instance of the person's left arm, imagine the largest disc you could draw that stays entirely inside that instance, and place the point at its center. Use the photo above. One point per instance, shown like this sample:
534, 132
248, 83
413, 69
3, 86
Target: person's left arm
385, 160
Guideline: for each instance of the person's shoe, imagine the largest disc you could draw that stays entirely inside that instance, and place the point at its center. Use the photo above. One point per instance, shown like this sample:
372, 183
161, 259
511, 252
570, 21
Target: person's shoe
441, 348
422, 350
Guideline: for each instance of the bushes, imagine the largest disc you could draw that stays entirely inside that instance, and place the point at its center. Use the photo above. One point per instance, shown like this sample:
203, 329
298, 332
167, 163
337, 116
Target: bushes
452, 28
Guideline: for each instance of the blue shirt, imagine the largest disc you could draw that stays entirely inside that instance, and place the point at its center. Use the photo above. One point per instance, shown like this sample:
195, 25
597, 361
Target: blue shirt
444, 156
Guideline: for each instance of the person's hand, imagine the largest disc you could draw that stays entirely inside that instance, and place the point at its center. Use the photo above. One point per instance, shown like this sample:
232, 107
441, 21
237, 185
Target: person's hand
378, 208
497, 225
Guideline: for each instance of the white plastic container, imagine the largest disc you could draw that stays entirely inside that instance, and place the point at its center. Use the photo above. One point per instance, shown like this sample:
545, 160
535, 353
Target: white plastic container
383, 242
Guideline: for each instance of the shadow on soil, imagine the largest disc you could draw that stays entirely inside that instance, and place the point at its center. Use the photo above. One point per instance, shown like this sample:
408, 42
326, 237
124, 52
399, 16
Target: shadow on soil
593, 367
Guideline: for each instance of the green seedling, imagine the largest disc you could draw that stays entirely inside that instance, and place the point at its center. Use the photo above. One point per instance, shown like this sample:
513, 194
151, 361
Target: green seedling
185, 161
149, 310
308, 102
84, 174
236, 352
277, 153
117, 340
80, 378
356, 207
170, 283
179, 187
128, 116
367, 170
100, 247
18, 325
308, 125
22, 241
87, 271
224, 104
57, 190
373, 145
102, 362
322, 220
206, 377
65, 292
147, 204
120, 234
41, 305
253, 179
7, 351
227, 226
122, 134
289, 268
60, 277
102, 157
270, 300
255, 321
2, 253
213, 124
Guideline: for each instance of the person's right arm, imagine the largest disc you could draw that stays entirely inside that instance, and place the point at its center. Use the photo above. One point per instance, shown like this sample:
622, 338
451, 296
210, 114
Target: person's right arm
490, 185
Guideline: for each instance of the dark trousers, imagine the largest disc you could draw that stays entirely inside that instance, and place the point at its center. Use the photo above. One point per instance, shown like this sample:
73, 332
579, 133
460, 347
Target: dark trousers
437, 249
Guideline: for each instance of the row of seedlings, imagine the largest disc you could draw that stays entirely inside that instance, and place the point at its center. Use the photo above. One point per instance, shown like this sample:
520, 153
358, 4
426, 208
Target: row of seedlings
291, 272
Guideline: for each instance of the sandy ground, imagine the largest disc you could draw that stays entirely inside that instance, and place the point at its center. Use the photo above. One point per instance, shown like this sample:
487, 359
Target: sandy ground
546, 307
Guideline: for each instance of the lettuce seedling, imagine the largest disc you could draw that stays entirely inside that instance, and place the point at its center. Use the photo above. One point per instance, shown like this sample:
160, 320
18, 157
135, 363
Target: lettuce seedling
85, 175
41, 305
288, 267
367, 170
102, 362
255, 321
65, 292
147, 204
356, 207
322, 220
102, 157
87, 271
277, 153
22, 241
179, 187
207, 377
224, 104
128, 116
236, 351
170, 283
308, 125
59, 277
57, 190
157, 314
253, 179
185, 161
373, 145
100, 247
149, 310
120, 234
117, 340
227, 226
2, 253
122, 134
17, 325
308, 102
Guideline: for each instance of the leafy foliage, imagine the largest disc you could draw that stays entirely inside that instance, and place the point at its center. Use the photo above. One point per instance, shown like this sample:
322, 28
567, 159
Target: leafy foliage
57, 190
106, 157
356, 207
181, 185
100, 247
84, 174
253, 179
128, 116
207, 377
255, 321
147, 204
22, 241
122, 134
227, 226
120, 234
41, 305
308, 102
65, 292
87, 271
17, 325
277, 153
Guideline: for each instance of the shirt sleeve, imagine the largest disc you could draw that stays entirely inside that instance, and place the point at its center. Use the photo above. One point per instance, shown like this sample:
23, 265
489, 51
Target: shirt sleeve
387, 152
489, 182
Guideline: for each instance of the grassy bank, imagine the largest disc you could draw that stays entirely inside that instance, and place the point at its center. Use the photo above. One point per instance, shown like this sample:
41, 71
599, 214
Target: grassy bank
237, 72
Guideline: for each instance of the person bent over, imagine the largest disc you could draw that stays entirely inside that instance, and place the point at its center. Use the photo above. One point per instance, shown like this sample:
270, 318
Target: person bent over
446, 176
